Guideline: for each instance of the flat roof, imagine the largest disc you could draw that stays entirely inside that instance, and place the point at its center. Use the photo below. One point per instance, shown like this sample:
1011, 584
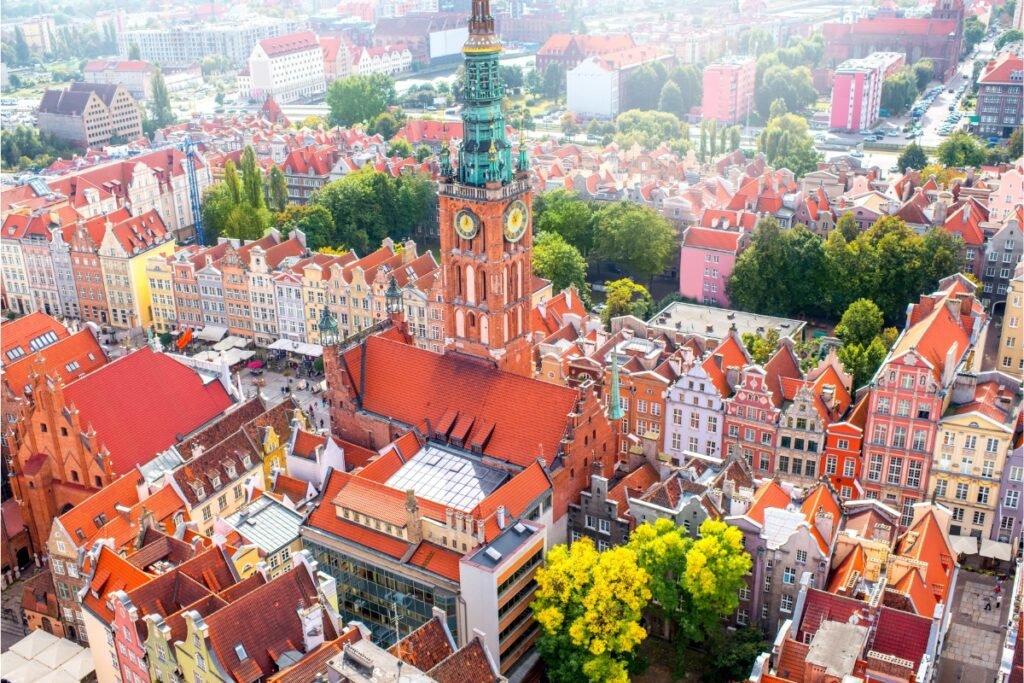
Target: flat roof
504, 544
266, 523
447, 476
714, 323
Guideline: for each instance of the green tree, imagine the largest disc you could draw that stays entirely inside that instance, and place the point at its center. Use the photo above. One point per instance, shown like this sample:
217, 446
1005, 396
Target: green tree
1012, 36
564, 213
899, 91
232, 183
924, 72
761, 346
793, 86
734, 652
974, 33
358, 99
786, 142
671, 99
862, 361
634, 236
778, 108
961, 149
625, 297
247, 222
385, 124
252, 179
556, 260
399, 147
649, 129
554, 81
913, 156
162, 111
589, 605
568, 124
862, 322
21, 52
848, 227
134, 52
1015, 146
423, 153
642, 88
313, 220
690, 80
512, 75
755, 42
216, 207
278, 189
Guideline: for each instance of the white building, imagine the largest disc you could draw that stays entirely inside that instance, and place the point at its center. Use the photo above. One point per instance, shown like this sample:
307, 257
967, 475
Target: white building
287, 68
381, 60
189, 43
592, 89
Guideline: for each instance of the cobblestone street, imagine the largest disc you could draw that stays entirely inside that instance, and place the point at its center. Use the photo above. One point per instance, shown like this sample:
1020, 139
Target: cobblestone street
975, 638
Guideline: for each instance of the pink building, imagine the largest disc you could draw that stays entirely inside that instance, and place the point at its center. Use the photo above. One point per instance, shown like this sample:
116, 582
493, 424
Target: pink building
706, 260
729, 89
857, 90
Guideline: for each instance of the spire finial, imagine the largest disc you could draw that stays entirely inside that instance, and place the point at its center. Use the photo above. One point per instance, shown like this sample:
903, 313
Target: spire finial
614, 403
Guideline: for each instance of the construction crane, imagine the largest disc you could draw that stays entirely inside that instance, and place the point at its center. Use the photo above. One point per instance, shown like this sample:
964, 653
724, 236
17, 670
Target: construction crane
189, 148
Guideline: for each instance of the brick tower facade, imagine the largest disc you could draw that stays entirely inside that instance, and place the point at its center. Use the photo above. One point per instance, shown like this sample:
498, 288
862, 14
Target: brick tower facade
485, 218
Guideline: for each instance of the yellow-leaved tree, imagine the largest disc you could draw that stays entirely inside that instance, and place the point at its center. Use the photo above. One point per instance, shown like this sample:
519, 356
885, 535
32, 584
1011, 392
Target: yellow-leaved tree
589, 605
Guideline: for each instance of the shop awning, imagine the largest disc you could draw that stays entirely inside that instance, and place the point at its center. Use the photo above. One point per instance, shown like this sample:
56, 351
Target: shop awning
231, 342
212, 333
301, 348
997, 550
964, 545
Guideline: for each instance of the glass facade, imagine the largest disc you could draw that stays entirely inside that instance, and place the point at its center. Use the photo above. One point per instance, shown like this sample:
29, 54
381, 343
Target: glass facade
380, 598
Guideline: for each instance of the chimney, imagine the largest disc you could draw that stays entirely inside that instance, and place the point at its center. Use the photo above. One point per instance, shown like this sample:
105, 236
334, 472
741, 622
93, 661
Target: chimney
501, 517
124, 511
312, 619
412, 516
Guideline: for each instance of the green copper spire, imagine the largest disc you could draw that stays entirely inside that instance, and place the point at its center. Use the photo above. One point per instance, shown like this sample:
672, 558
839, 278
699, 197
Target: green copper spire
614, 402
522, 163
485, 155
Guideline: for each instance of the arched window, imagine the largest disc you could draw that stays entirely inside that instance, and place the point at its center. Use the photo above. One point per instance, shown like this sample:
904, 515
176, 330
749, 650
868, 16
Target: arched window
470, 285
471, 324
483, 287
485, 332
504, 329
508, 283
458, 281
519, 280
460, 324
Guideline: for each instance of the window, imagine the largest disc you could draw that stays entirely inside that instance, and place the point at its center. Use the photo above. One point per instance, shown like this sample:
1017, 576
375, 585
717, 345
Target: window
895, 470
801, 556
941, 487
677, 416
883, 406
789, 576
830, 464
899, 437
783, 463
843, 444
604, 526
978, 518
742, 617
748, 434
961, 491
914, 474
676, 441
693, 444
992, 446
695, 420
787, 603
907, 381
766, 438
849, 467
768, 583
958, 514
920, 436
1012, 499
641, 406
744, 593
589, 522
903, 408
713, 424
988, 468
1016, 473
58, 567
875, 468
983, 492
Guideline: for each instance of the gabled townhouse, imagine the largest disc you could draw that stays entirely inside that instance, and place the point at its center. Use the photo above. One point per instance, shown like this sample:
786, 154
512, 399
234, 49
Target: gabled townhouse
311, 456
1001, 257
189, 297
695, 406
262, 263
160, 275
842, 456
123, 254
752, 414
307, 169
810, 407
786, 537
271, 526
977, 431
84, 241
234, 267
913, 388
603, 513
1011, 490
965, 222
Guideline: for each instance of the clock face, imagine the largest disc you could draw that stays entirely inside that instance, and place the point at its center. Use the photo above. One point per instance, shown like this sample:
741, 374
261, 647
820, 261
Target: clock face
516, 217
466, 224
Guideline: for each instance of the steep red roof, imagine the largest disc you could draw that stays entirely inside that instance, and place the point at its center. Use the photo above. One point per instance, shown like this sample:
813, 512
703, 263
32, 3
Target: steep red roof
730, 352
426, 647
126, 401
278, 46
503, 405
110, 573
902, 634
437, 560
966, 220
636, 483
1001, 70
708, 238
22, 332
770, 495
69, 359
85, 520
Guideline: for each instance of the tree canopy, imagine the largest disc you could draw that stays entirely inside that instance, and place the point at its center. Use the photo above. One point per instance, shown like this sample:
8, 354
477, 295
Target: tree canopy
312, 219
589, 605
913, 156
786, 143
358, 99
556, 260
635, 237
625, 297
563, 212
899, 91
961, 149
649, 129
163, 114
1012, 36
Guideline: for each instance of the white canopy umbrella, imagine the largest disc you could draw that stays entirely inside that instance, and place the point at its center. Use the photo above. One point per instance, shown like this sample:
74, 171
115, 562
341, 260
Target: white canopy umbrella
313, 350
58, 676
964, 545
211, 333
29, 672
34, 643
207, 357
10, 661
80, 666
58, 653
996, 550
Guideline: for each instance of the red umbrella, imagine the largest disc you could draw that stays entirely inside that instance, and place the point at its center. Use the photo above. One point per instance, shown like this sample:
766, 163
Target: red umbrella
254, 365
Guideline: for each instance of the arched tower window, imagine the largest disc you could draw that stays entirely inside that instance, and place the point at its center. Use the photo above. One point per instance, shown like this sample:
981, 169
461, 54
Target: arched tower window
470, 285
485, 332
460, 323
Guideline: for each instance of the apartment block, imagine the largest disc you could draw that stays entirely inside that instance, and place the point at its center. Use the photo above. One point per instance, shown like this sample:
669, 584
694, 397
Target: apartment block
1000, 85
857, 89
729, 90
90, 114
185, 44
287, 68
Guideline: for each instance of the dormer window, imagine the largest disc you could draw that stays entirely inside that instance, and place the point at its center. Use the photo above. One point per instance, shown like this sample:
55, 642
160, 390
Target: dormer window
232, 472
246, 461
215, 481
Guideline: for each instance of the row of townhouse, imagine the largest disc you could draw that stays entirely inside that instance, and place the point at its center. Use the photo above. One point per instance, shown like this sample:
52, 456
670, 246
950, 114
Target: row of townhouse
929, 425
93, 270
273, 288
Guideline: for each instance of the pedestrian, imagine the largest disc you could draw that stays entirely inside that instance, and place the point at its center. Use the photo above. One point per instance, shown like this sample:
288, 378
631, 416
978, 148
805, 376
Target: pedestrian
988, 604
323, 401
321, 423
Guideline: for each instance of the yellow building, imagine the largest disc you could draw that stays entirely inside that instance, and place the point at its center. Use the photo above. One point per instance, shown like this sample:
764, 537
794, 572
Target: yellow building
124, 256
271, 528
975, 435
159, 273
1011, 341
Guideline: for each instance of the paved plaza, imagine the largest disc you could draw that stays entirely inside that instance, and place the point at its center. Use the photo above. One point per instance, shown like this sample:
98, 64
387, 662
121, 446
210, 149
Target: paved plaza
975, 638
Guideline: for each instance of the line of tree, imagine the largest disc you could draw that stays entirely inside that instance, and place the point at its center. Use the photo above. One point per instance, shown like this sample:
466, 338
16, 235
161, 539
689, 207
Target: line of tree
901, 89
25, 148
591, 605
785, 73
794, 272
653, 86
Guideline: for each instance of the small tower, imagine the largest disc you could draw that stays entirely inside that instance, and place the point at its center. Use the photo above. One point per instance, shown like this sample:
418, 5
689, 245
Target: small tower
327, 327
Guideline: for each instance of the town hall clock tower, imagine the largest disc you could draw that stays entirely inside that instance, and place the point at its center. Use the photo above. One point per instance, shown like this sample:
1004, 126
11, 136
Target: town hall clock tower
485, 218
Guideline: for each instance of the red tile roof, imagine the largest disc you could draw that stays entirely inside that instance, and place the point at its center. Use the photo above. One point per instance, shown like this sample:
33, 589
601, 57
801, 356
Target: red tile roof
710, 238
1000, 71
426, 647
69, 359
325, 518
433, 384
278, 46
469, 664
926, 541
355, 456
126, 401
123, 527
21, 331
902, 634
730, 353
313, 666
437, 560
636, 483
770, 495
306, 444
102, 506
821, 500
821, 606
108, 573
